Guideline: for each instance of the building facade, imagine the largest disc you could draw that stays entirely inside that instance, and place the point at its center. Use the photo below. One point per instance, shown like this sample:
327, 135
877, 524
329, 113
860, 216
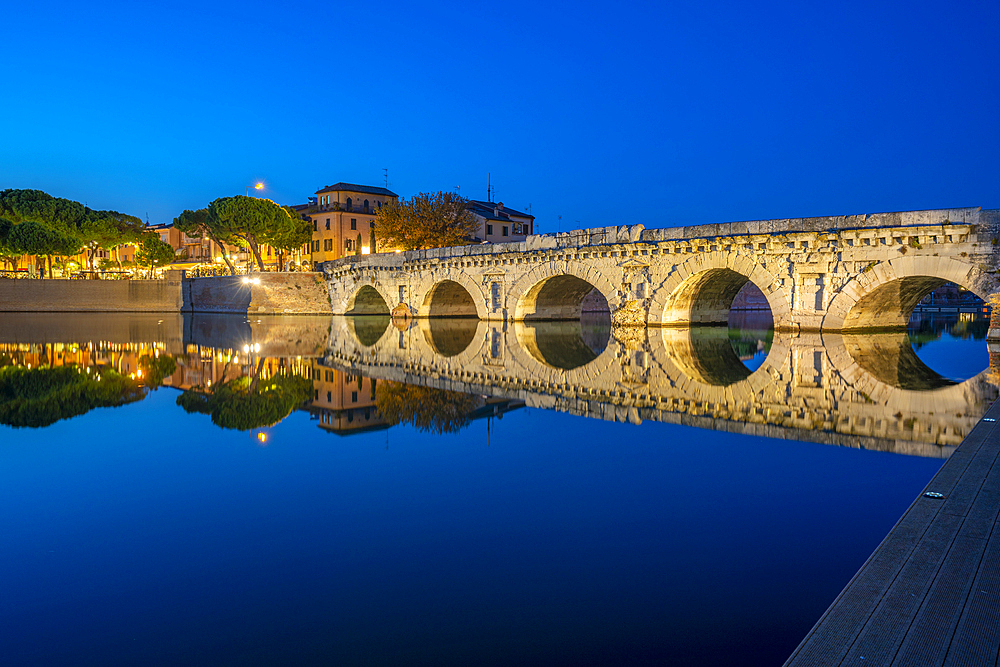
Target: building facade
498, 224
343, 214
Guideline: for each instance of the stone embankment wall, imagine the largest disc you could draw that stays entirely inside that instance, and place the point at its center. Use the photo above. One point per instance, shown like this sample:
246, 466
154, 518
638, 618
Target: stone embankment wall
272, 294
91, 296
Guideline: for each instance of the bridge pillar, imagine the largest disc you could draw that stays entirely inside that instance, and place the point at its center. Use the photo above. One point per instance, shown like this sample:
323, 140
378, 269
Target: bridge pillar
993, 334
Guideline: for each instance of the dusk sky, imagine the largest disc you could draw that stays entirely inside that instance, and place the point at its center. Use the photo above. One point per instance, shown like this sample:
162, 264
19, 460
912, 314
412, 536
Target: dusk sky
602, 113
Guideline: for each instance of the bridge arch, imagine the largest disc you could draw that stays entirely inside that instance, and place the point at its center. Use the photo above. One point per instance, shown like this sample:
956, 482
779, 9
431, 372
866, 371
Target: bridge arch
701, 290
885, 294
456, 296
548, 293
368, 299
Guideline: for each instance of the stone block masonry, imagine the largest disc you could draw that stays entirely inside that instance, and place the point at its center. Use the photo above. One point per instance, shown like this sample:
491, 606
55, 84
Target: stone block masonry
90, 296
271, 294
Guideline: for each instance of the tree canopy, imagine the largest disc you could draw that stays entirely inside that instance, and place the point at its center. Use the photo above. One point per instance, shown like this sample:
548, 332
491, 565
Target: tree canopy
36, 238
153, 253
249, 222
427, 220
94, 229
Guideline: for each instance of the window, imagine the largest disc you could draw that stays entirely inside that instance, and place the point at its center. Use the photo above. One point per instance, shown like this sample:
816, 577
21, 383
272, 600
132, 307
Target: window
347, 244
380, 206
315, 226
354, 397
505, 230
327, 245
349, 204
329, 397
354, 223
489, 230
366, 206
328, 223
315, 246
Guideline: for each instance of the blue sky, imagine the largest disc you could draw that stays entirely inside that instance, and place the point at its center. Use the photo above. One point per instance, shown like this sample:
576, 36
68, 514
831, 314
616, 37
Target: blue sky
659, 113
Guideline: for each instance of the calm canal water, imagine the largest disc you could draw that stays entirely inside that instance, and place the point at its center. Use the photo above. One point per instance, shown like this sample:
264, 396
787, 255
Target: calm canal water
356, 491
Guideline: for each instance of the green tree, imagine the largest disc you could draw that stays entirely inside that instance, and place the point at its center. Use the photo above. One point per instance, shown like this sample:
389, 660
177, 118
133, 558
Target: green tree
427, 220
197, 224
35, 238
156, 368
357, 245
108, 230
286, 238
95, 229
252, 220
153, 253
8, 254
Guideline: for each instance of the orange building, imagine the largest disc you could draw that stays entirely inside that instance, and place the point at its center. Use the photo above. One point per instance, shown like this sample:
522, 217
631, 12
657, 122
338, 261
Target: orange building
344, 212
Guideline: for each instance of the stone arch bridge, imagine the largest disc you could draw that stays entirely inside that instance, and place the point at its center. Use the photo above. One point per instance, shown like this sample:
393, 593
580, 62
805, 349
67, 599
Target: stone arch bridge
829, 274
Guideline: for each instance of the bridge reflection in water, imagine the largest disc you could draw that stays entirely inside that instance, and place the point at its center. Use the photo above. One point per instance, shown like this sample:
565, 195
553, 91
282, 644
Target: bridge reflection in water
865, 390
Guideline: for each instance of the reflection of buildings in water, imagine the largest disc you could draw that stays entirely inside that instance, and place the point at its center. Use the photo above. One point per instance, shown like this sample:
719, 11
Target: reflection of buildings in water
852, 390
122, 358
861, 391
343, 403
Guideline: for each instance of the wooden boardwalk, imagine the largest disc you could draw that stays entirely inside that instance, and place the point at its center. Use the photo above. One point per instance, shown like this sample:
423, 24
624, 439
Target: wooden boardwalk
930, 594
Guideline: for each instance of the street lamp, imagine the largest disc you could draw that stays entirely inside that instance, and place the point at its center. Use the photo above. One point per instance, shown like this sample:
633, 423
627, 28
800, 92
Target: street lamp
255, 186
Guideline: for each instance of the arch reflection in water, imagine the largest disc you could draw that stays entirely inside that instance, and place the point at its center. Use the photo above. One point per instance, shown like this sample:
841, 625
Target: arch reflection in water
715, 355
448, 337
368, 329
809, 387
890, 358
566, 345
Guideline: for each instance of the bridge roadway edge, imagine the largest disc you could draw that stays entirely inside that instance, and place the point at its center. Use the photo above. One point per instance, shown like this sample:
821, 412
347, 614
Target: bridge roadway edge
930, 592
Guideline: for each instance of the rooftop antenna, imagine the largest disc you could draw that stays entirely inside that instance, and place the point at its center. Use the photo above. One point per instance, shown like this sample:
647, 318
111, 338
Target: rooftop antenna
489, 187
385, 174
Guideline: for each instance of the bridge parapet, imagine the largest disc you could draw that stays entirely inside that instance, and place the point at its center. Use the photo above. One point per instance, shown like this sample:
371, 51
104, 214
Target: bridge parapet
829, 273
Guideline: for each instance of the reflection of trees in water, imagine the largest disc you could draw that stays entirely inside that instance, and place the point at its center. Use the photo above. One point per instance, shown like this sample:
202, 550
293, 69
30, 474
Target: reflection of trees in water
37, 397
928, 327
428, 409
247, 403
155, 368
747, 343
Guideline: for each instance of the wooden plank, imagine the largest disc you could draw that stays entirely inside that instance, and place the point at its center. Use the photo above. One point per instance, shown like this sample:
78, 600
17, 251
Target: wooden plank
880, 638
917, 590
